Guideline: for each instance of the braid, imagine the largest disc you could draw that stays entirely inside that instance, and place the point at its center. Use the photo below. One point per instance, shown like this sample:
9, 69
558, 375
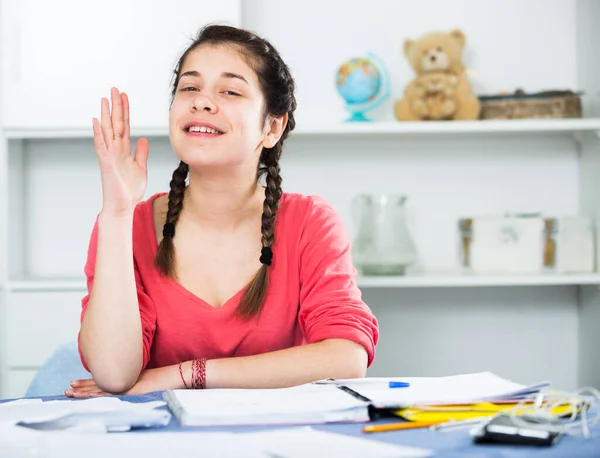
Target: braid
256, 292
271, 204
165, 258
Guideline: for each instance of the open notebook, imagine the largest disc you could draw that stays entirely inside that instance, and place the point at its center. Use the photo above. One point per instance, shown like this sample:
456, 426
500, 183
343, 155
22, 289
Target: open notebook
334, 401
304, 404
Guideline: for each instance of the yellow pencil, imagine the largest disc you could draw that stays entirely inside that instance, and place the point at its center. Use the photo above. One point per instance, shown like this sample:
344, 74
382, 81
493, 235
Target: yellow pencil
403, 425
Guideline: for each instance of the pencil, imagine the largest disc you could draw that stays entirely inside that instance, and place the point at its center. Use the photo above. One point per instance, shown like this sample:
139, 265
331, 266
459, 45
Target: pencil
403, 425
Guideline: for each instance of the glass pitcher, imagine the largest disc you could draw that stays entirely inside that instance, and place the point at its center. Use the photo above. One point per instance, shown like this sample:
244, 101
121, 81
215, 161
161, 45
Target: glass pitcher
383, 244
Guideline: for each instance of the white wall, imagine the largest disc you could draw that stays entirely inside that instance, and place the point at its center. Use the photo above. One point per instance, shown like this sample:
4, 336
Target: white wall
508, 43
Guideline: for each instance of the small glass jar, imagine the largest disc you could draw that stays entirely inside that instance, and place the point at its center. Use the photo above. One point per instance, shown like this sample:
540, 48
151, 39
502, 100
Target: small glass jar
383, 244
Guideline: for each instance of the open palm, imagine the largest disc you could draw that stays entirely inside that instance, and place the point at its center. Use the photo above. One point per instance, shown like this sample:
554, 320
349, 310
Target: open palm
124, 177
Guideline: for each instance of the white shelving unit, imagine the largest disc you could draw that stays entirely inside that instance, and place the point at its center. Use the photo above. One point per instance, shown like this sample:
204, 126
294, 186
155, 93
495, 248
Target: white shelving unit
449, 280
49, 191
481, 127
424, 280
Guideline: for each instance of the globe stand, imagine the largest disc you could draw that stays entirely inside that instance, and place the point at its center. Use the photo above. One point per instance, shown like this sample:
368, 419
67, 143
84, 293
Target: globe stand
358, 116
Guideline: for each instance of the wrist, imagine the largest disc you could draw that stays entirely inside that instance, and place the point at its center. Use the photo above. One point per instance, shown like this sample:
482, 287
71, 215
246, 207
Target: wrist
185, 375
214, 373
192, 374
111, 215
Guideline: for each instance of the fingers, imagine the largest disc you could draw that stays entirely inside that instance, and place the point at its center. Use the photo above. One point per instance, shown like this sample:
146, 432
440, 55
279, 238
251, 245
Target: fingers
105, 121
83, 383
141, 152
99, 143
126, 126
77, 394
82, 389
117, 113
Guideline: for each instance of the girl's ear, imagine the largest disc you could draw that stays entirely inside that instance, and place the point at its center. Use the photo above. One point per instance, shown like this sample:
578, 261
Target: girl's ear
276, 126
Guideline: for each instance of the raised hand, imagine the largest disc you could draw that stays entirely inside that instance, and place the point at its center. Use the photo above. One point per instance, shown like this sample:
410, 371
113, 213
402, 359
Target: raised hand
124, 178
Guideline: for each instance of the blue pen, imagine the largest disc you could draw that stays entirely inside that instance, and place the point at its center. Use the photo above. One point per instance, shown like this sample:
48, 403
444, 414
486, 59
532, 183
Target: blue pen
399, 384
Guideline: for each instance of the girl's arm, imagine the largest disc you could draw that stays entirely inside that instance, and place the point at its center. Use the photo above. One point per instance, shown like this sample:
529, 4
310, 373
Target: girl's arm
330, 358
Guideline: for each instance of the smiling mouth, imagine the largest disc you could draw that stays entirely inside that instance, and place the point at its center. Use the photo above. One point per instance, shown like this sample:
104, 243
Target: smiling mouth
202, 130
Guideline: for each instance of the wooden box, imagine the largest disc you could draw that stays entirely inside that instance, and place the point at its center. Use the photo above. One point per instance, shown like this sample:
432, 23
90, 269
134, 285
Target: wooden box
549, 104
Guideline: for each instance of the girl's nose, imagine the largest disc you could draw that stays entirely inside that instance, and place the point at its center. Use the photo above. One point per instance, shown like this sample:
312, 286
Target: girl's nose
204, 103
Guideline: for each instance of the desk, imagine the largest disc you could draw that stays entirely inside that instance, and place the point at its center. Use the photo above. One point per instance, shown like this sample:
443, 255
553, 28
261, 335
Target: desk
451, 444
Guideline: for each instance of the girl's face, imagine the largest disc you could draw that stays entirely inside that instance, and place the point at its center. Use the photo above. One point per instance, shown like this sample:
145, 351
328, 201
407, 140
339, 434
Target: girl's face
216, 118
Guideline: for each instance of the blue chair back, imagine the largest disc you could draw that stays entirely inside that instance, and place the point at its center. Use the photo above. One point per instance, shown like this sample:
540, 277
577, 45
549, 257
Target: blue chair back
58, 371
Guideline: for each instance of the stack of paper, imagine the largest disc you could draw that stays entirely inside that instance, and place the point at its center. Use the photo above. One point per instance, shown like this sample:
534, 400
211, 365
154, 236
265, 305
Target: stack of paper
335, 400
457, 389
305, 404
103, 413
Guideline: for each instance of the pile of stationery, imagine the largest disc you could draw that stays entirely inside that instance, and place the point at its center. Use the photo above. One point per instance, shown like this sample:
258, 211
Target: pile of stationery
352, 400
54, 428
497, 410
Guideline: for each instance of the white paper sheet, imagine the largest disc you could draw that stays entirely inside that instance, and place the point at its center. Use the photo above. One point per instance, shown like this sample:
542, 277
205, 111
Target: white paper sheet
17, 442
457, 388
35, 410
308, 442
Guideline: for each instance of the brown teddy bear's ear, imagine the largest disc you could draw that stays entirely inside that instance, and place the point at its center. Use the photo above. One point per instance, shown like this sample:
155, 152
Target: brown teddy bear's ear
408, 44
458, 36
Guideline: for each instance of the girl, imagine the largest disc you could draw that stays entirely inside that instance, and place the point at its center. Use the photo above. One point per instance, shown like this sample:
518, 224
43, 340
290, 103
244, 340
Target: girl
222, 282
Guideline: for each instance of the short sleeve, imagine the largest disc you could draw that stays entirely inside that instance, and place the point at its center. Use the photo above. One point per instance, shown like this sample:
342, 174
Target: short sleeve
330, 300
146, 305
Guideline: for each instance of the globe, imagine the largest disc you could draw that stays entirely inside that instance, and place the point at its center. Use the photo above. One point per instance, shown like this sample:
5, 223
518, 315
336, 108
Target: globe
363, 83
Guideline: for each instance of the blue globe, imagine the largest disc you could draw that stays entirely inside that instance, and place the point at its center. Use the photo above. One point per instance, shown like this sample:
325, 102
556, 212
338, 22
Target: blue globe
360, 82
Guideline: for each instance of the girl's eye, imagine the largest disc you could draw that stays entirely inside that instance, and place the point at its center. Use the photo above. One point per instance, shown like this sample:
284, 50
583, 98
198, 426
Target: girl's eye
231, 93
189, 89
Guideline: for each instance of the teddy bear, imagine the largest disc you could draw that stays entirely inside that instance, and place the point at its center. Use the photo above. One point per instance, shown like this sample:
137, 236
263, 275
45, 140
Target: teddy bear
441, 89
433, 95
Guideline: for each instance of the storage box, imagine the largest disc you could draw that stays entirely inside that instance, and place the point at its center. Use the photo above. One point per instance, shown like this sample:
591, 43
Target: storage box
548, 104
570, 247
497, 244
527, 244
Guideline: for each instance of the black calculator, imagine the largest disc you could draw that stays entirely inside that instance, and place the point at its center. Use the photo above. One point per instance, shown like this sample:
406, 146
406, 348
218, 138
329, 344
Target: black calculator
502, 429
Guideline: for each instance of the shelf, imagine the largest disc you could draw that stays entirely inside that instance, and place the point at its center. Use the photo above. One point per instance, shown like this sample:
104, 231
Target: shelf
46, 285
431, 280
442, 280
454, 127
366, 128
78, 132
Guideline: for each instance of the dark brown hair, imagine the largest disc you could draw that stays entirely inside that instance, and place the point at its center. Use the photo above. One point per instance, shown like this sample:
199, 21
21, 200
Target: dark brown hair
277, 86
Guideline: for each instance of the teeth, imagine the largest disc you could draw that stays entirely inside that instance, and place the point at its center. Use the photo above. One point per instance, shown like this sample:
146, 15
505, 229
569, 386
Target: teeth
204, 129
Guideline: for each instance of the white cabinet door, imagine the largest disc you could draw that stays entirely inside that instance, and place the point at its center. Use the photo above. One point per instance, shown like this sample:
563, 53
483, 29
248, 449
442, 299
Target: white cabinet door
37, 323
60, 57
18, 381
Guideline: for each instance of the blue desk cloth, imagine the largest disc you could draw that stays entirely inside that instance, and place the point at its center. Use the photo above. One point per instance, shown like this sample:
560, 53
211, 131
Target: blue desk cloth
451, 444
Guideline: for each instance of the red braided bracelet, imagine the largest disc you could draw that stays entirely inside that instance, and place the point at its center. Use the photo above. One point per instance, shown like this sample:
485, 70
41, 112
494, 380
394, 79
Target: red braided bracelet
199, 373
182, 377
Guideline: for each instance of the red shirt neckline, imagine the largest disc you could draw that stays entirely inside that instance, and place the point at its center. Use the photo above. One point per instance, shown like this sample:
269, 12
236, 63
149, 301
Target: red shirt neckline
148, 219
